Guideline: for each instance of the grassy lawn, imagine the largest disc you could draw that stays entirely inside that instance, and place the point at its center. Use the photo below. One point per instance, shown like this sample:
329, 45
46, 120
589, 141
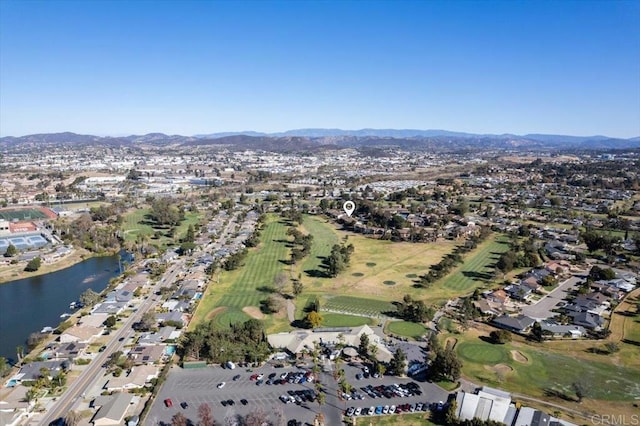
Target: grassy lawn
406, 329
135, 223
340, 320
544, 369
240, 288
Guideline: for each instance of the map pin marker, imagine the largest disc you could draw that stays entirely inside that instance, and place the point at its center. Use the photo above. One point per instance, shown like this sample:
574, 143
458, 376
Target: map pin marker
349, 207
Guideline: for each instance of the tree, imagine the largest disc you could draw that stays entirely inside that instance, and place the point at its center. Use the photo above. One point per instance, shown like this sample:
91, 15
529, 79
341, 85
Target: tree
190, 236
279, 281
72, 418
179, 419
314, 319
110, 322
298, 287
363, 348
11, 251
205, 416
536, 332
89, 297
445, 366
500, 336
4, 366
33, 265
581, 390
611, 347
147, 321
398, 363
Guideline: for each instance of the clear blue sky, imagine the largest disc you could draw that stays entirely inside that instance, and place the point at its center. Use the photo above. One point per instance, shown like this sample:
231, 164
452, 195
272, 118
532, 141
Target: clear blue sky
123, 67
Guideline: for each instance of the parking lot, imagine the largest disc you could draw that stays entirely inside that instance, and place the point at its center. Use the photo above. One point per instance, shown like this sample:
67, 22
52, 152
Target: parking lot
198, 386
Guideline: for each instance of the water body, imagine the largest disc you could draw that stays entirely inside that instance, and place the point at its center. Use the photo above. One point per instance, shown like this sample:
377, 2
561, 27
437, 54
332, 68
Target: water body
28, 305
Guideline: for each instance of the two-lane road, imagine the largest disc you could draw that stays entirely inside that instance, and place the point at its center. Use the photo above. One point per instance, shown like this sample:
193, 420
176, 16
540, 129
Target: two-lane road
93, 371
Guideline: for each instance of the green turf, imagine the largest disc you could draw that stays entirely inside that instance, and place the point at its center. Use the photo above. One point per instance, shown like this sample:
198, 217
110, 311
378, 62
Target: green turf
406, 329
341, 320
21, 214
358, 305
546, 370
477, 269
323, 239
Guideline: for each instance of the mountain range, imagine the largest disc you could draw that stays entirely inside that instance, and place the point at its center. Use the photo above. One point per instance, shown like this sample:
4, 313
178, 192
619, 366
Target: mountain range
314, 139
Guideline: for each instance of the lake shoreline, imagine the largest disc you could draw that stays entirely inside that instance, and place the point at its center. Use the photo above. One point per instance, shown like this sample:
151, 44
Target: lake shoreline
16, 272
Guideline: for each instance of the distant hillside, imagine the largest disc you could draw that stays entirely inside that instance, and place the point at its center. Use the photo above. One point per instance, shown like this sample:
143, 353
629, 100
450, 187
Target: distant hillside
314, 139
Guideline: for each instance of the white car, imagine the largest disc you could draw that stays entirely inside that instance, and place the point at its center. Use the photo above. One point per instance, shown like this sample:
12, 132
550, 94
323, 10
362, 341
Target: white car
385, 410
392, 409
358, 411
221, 385
372, 410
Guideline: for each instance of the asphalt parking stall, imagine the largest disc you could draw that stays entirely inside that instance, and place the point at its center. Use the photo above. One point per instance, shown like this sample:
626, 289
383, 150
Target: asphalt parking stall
188, 389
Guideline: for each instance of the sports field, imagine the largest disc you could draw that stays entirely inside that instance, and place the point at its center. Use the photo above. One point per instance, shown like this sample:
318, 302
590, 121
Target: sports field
21, 214
240, 288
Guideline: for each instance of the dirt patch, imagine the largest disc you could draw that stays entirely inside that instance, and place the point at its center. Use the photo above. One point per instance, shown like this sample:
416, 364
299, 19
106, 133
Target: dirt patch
253, 312
215, 312
451, 342
499, 368
519, 357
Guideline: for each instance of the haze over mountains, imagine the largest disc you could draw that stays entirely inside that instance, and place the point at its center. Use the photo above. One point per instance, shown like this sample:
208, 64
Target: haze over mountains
313, 139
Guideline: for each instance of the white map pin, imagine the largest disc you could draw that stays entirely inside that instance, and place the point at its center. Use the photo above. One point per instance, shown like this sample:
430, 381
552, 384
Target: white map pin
349, 207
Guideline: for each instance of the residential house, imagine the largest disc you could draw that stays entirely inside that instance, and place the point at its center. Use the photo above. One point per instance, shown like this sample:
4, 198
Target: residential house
560, 330
69, 350
137, 378
519, 324
147, 354
32, 371
587, 320
113, 409
80, 334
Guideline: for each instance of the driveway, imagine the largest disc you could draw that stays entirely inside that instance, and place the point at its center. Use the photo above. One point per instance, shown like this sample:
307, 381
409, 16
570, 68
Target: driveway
543, 308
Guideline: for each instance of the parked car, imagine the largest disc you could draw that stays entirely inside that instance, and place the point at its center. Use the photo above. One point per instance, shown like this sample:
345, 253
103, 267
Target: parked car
221, 385
184, 405
244, 401
168, 403
236, 377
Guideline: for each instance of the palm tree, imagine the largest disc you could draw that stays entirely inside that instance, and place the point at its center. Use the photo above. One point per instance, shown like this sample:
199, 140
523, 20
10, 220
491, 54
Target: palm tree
19, 353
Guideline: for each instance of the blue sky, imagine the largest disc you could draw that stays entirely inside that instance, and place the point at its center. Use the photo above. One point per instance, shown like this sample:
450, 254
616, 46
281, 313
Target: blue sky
123, 67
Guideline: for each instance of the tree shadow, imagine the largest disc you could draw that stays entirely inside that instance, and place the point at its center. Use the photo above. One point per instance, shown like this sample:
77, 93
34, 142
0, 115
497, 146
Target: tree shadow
300, 323
554, 393
266, 289
316, 273
477, 276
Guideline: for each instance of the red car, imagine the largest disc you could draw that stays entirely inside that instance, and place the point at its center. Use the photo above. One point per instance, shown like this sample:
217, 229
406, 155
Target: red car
253, 377
168, 402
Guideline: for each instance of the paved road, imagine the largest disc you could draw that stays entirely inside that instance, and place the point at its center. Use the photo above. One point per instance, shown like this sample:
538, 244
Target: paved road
94, 370
542, 309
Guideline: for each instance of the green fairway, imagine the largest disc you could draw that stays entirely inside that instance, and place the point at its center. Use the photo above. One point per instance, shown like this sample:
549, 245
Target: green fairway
544, 371
406, 329
476, 271
239, 288
340, 320
323, 239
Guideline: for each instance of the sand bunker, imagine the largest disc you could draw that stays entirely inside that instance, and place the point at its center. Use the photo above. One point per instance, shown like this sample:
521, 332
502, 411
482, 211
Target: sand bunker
215, 312
519, 357
253, 312
500, 369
